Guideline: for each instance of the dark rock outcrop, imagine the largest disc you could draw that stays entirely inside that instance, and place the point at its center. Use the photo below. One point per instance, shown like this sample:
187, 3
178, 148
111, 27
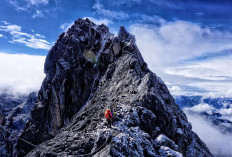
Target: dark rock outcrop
89, 69
15, 111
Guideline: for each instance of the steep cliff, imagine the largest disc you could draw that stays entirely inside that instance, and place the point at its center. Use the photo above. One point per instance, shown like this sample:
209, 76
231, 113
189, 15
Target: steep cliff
89, 69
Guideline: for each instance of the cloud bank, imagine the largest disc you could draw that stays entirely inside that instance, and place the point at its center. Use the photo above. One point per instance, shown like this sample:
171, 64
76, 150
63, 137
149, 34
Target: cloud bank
100, 9
219, 144
20, 73
191, 59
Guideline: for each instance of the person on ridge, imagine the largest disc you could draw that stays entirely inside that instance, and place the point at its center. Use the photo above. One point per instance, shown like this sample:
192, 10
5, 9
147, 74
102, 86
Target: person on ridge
108, 116
112, 111
112, 108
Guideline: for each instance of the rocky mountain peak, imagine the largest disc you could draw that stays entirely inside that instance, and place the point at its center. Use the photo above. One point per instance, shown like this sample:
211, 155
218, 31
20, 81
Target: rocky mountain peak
89, 69
125, 36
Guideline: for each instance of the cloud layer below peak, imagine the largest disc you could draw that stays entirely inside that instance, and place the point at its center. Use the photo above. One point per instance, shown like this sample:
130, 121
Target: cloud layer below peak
20, 73
219, 144
191, 59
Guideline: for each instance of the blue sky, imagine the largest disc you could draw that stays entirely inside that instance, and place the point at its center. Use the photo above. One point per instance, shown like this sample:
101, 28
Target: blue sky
187, 43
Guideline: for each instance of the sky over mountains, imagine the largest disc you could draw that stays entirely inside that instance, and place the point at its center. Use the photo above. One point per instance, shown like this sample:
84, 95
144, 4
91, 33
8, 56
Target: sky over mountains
187, 43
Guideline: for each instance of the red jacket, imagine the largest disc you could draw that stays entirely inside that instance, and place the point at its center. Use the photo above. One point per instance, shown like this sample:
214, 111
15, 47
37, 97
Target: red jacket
108, 114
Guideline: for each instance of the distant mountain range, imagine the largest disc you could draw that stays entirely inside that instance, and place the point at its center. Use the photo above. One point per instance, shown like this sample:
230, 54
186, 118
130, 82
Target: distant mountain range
15, 111
217, 110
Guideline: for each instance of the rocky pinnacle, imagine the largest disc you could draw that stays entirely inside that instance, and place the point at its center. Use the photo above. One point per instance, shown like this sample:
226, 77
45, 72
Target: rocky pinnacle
89, 69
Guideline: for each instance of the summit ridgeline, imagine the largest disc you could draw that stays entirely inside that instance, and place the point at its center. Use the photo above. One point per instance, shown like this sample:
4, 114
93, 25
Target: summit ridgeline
89, 69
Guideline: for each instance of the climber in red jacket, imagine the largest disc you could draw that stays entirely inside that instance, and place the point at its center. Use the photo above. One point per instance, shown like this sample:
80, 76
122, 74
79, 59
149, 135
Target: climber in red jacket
108, 116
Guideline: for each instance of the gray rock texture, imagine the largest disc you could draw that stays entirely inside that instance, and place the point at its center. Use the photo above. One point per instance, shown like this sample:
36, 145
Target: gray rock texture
89, 69
15, 114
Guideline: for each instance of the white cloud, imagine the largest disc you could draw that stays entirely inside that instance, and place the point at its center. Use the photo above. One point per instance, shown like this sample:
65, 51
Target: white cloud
36, 41
164, 47
219, 144
177, 90
40, 35
37, 8
17, 5
179, 40
23, 5
32, 42
225, 110
100, 9
1, 35
216, 69
212, 75
38, 2
38, 13
21, 73
5, 22
66, 26
10, 28
202, 107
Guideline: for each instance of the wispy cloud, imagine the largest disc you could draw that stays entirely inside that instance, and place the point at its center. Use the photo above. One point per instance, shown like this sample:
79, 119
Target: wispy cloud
217, 69
148, 19
107, 22
5, 22
212, 75
176, 90
218, 143
36, 8
1, 35
225, 110
165, 46
66, 26
35, 41
119, 15
23, 5
180, 38
10, 28
38, 13
40, 35
38, 2
21, 73
129, 3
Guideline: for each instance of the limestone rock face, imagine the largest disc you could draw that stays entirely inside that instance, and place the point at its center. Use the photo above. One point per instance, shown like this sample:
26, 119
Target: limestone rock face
89, 69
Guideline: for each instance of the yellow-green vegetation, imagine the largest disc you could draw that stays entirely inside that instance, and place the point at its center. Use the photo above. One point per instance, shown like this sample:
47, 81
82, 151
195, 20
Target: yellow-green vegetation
90, 56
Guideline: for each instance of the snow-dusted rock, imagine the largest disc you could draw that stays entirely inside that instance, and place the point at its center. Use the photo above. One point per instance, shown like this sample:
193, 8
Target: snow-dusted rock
166, 151
163, 140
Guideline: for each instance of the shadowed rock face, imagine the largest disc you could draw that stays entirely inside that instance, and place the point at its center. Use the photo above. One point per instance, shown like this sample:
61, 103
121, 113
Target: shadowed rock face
77, 90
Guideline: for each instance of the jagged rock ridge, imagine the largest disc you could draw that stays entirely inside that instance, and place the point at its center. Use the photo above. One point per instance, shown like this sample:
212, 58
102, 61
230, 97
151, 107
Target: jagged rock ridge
88, 69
